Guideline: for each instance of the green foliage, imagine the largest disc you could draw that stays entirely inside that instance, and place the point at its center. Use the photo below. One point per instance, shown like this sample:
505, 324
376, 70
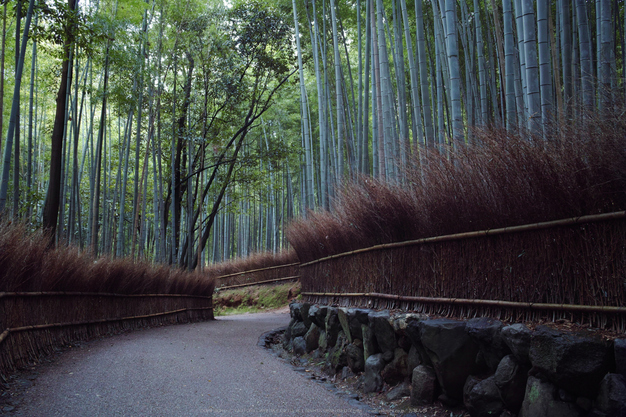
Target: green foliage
254, 299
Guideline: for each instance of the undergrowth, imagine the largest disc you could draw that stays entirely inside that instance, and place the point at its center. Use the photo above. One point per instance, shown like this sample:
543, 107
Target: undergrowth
252, 262
27, 265
502, 179
254, 299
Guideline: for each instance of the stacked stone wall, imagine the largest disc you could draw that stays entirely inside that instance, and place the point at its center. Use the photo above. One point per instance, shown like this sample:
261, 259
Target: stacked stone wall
492, 368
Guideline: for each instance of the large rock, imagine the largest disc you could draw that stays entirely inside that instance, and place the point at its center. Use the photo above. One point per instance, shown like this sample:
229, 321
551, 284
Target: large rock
356, 318
572, 362
425, 386
400, 391
401, 321
295, 309
413, 360
323, 341
620, 356
332, 326
317, 315
354, 356
487, 333
470, 383
611, 398
541, 400
452, 352
380, 323
517, 338
397, 370
312, 338
351, 320
298, 329
510, 378
342, 314
372, 381
482, 398
299, 345
414, 333
337, 357
369, 341
304, 312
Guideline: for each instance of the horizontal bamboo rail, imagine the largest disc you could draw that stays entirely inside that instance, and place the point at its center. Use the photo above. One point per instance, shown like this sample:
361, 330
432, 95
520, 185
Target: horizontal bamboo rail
7, 332
465, 301
93, 294
295, 277
482, 233
234, 274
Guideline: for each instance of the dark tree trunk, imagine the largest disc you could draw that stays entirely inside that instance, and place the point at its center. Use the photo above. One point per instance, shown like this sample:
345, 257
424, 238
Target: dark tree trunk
181, 160
51, 207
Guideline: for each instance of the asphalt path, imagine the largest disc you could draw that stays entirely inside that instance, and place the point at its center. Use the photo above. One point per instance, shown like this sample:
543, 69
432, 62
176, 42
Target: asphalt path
211, 368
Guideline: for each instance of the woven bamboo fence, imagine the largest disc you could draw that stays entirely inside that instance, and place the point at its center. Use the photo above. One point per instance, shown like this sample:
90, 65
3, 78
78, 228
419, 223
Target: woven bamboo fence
272, 274
569, 269
32, 325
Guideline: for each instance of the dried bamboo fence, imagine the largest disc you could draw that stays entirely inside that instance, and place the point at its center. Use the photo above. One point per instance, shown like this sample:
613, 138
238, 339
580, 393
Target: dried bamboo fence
272, 274
573, 269
32, 324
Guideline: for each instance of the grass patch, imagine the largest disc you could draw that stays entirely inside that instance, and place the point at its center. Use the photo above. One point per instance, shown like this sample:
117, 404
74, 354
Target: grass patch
254, 299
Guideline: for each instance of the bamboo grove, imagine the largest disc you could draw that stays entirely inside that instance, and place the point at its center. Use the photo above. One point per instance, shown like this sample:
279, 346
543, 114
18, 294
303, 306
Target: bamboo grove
144, 128
397, 78
191, 132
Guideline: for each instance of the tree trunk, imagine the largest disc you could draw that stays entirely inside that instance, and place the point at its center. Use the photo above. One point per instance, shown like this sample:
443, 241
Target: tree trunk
51, 207
586, 64
509, 65
455, 72
14, 121
545, 79
532, 80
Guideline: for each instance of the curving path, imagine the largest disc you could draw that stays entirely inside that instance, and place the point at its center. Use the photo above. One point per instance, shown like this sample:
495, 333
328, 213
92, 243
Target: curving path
202, 369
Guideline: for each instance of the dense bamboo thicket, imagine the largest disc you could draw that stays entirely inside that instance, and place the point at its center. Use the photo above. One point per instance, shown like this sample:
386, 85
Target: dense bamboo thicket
503, 180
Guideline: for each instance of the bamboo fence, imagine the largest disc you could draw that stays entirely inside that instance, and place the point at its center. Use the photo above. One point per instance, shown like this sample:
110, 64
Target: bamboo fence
33, 324
572, 269
258, 276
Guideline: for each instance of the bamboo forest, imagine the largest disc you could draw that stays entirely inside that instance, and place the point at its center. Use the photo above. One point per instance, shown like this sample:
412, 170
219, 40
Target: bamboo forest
194, 131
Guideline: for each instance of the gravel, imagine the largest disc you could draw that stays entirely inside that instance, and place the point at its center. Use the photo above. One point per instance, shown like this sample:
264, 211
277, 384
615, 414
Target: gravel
200, 369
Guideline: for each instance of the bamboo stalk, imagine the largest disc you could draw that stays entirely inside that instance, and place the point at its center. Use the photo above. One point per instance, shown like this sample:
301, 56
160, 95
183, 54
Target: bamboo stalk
94, 294
257, 270
4, 335
295, 277
7, 332
482, 233
465, 301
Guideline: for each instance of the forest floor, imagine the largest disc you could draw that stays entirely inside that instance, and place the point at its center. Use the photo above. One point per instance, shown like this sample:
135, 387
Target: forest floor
254, 299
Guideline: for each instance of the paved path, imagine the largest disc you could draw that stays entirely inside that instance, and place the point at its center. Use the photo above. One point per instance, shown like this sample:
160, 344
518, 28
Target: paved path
202, 369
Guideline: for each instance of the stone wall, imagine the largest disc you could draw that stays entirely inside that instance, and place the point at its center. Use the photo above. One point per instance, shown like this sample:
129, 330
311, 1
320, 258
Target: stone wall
492, 368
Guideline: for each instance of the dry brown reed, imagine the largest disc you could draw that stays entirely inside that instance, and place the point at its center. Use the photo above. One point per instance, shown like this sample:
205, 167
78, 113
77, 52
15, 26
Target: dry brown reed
259, 267
50, 297
502, 180
26, 265
257, 260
